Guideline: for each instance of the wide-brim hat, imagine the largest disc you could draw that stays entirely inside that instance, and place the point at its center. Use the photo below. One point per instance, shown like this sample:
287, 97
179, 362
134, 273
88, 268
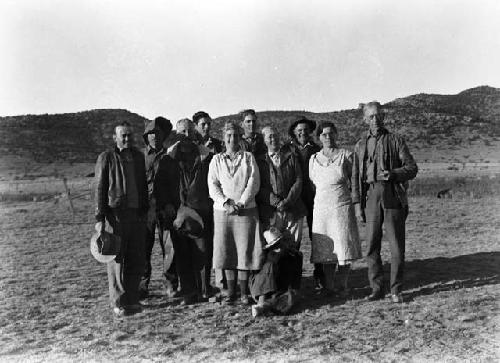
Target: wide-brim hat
105, 246
190, 222
301, 120
272, 237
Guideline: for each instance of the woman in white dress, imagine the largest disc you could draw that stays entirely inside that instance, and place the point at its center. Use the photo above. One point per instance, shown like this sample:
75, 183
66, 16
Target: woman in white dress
335, 236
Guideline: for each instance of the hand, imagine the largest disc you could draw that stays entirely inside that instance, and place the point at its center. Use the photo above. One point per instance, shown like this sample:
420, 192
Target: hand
387, 175
100, 227
360, 213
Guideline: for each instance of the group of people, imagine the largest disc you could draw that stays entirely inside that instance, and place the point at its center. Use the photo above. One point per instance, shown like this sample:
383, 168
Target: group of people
237, 207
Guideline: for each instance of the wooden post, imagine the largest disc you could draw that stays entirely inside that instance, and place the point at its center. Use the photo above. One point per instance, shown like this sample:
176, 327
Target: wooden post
65, 182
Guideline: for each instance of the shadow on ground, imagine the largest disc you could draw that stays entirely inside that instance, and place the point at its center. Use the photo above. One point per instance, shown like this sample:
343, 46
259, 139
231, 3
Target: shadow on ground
423, 277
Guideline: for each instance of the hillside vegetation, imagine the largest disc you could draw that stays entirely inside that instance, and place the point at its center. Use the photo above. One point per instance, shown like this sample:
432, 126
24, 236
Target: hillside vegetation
452, 128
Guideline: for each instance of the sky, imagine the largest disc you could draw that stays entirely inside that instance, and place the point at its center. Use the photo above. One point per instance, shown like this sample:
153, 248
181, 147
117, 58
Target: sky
173, 58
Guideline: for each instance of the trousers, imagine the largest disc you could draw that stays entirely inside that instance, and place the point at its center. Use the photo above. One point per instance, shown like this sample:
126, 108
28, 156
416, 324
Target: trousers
125, 271
384, 208
169, 272
194, 258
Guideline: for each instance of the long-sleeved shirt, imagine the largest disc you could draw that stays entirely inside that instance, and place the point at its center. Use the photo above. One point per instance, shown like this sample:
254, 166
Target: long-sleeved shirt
235, 178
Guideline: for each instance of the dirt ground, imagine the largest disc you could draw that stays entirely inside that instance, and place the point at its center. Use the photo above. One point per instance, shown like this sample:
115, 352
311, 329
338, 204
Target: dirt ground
55, 307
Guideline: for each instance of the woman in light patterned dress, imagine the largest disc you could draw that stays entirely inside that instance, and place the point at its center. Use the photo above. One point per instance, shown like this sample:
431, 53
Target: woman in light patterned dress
335, 236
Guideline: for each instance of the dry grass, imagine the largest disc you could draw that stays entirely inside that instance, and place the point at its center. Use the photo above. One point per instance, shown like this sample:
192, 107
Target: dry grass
54, 299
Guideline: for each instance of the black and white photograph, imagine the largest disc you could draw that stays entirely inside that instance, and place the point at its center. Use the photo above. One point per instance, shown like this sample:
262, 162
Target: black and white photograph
249, 181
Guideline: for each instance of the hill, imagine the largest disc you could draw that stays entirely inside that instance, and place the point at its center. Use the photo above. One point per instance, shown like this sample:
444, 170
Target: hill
468, 124
34, 145
438, 128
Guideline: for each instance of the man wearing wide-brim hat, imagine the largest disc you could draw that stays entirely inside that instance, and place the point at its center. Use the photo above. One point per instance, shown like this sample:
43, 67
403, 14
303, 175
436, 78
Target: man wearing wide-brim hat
121, 199
155, 154
302, 144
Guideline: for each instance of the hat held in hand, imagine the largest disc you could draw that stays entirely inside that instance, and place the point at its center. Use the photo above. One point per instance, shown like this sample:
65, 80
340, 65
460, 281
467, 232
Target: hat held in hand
272, 236
105, 246
188, 222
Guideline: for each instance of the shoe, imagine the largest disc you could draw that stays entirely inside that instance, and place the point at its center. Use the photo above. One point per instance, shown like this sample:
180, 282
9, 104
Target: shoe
375, 295
119, 311
189, 299
245, 300
229, 299
397, 298
133, 309
257, 310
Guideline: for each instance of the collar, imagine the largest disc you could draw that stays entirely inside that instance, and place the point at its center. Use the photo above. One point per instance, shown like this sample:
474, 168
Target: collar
381, 132
226, 155
152, 150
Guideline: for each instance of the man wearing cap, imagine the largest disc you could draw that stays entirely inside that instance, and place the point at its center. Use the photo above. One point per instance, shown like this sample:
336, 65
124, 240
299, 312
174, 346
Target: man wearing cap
121, 199
382, 168
154, 136
279, 198
301, 143
192, 232
251, 140
203, 122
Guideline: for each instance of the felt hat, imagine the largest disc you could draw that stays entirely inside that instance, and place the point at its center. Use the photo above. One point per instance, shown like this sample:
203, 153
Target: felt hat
105, 246
159, 123
272, 236
301, 120
189, 223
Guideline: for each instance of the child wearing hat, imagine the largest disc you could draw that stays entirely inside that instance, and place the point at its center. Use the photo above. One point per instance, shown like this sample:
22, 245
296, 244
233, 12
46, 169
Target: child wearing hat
274, 286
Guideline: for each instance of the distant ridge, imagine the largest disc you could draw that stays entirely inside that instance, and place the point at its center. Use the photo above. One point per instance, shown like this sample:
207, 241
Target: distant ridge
438, 128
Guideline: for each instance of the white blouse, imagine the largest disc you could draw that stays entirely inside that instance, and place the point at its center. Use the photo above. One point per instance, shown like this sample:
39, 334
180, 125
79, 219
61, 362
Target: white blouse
237, 179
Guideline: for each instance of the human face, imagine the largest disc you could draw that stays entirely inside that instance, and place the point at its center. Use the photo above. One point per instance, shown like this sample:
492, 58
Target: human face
302, 133
184, 129
328, 137
249, 124
203, 126
123, 137
271, 139
374, 118
232, 140
156, 138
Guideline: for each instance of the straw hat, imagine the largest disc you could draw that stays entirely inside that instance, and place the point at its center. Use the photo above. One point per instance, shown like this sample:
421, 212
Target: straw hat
272, 236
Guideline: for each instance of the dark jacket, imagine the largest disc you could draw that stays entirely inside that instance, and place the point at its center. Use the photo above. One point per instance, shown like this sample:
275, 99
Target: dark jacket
271, 192
185, 185
110, 185
254, 144
395, 157
304, 154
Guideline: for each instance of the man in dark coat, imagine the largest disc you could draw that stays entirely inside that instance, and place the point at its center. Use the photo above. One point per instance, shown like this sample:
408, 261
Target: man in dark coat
301, 143
121, 199
154, 136
382, 168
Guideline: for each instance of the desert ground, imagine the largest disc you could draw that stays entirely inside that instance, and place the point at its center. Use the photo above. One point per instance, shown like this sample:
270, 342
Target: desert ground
55, 307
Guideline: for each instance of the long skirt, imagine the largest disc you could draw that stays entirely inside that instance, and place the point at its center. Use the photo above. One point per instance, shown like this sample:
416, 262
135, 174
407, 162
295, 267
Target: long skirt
237, 240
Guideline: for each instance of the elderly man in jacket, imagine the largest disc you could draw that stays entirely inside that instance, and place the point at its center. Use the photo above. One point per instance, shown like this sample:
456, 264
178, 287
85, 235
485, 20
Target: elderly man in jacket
279, 198
121, 197
154, 136
382, 168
